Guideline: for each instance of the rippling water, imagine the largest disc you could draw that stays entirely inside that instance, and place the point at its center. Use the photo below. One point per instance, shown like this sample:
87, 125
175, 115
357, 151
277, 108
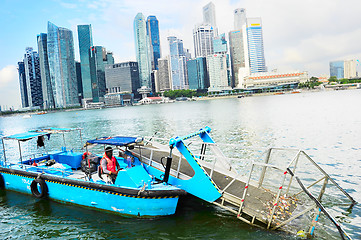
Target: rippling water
327, 125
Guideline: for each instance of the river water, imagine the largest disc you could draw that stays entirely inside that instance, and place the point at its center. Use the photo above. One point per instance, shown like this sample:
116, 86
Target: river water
327, 125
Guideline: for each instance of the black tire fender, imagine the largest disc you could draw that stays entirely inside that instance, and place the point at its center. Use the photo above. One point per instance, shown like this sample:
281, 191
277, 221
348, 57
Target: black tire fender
43, 188
2, 182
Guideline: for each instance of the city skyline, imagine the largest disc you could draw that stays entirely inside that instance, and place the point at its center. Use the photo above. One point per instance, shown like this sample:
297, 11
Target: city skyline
308, 46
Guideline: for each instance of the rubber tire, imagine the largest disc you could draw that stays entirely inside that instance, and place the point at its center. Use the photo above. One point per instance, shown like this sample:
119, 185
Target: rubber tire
43, 187
2, 182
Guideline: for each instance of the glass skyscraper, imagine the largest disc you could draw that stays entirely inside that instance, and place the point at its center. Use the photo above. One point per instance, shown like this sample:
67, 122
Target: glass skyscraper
153, 33
203, 40
178, 67
85, 42
23, 88
143, 51
255, 45
238, 49
48, 96
337, 69
99, 58
209, 16
197, 73
33, 78
62, 66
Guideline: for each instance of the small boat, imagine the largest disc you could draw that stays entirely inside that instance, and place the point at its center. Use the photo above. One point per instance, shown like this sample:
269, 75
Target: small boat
279, 93
295, 92
74, 177
27, 116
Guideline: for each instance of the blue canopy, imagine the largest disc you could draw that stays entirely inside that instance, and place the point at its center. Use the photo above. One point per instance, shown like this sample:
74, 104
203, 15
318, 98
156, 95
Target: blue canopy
116, 141
24, 136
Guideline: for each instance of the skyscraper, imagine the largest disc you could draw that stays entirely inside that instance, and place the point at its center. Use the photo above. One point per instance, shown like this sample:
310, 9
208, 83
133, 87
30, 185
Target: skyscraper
142, 49
48, 96
203, 40
79, 80
177, 64
153, 33
209, 16
197, 73
62, 66
239, 18
33, 78
85, 42
163, 75
99, 58
23, 88
255, 45
217, 70
122, 77
220, 47
239, 53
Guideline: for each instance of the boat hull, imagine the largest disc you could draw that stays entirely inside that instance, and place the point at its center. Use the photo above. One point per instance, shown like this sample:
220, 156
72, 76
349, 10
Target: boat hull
99, 196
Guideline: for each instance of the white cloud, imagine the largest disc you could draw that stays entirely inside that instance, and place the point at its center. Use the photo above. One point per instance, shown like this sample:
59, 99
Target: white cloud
7, 75
9, 87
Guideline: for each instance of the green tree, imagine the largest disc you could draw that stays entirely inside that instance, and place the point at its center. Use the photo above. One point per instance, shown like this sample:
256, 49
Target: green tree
333, 79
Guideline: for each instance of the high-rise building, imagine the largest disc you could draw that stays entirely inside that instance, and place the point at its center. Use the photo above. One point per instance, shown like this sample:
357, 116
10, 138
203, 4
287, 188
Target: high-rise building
48, 96
23, 88
85, 42
33, 78
164, 83
350, 69
239, 53
255, 45
153, 33
343, 69
203, 40
99, 58
217, 71
197, 73
79, 81
143, 51
122, 77
178, 69
62, 66
209, 16
337, 69
220, 47
240, 18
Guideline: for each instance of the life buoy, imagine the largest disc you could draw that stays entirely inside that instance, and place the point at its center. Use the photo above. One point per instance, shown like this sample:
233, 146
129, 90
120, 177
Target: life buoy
2, 182
42, 187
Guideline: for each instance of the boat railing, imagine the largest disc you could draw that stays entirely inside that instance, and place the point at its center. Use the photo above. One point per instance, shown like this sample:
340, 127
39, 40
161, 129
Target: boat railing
280, 171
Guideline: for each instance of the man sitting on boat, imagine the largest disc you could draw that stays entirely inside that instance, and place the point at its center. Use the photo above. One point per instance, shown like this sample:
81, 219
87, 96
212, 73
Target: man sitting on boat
109, 165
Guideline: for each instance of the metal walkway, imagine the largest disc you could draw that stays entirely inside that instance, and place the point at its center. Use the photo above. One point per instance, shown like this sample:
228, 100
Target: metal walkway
267, 194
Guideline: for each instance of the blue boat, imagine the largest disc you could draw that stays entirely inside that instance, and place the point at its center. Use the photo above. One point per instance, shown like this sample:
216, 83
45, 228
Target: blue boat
73, 177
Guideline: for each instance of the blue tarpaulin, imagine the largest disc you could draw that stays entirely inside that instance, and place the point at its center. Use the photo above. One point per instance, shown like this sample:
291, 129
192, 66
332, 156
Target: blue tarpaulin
24, 136
116, 141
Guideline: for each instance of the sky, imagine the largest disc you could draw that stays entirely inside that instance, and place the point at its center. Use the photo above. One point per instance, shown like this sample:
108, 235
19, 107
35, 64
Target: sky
298, 35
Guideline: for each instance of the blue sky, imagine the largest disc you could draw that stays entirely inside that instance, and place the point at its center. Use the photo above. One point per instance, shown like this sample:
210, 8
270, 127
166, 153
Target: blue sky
298, 35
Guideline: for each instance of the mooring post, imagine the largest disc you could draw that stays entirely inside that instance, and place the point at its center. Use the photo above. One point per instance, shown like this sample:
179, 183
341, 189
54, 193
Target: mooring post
2, 140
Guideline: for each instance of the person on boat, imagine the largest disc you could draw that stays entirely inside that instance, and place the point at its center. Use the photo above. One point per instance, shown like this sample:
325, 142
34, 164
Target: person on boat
109, 164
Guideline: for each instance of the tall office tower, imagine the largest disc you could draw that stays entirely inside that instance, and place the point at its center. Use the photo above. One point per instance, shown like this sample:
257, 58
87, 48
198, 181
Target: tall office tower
99, 58
239, 18
197, 73
209, 16
239, 54
23, 88
220, 47
203, 40
79, 81
142, 49
177, 63
255, 45
349, 69
85, 42
62, 66
164, 83
153, 33
122, 77
217, 71
337, 69
33, 78
48, 96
